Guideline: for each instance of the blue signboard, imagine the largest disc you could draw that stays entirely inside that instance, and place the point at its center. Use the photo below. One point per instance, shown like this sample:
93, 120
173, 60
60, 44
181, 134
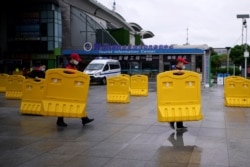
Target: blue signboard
132, 50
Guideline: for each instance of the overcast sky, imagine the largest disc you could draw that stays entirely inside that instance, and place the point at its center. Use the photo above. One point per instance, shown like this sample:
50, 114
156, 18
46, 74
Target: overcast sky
211, 22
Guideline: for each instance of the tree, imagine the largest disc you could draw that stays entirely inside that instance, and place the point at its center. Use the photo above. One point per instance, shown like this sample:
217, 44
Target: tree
213, 52
215, 61
237, 54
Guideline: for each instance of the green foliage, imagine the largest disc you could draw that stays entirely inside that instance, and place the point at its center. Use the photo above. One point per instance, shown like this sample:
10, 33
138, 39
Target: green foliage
221, 70
215, 61
213, 52
237, 55
121, 35
223, 57
215, 71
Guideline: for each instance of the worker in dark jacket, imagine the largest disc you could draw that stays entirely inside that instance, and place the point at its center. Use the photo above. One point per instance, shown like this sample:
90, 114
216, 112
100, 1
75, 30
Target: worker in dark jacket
180, 65
73, 62
37, 72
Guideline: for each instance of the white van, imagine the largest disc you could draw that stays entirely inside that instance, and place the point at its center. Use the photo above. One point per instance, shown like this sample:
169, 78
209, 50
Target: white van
100, 69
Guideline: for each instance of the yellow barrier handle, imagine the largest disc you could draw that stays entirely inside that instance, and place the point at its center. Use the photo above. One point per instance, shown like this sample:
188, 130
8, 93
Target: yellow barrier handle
37, 79
116, 78
62, 71
69, 71
178, 72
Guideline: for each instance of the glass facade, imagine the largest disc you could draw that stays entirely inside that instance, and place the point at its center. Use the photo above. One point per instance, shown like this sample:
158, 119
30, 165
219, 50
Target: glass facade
52, 23
85, 28
37, 29
33, 32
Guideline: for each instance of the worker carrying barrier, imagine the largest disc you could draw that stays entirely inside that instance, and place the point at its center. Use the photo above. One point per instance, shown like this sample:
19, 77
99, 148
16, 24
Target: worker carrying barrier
33, 92
14, 88
66, 93
118, 89
237, 91
139, 85
3, 82
178, 96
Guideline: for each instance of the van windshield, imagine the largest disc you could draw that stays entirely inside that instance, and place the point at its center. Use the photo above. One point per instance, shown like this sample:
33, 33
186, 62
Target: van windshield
94, 67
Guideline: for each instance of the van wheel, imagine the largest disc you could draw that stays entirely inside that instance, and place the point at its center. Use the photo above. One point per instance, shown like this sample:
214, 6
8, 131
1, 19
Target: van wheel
104, 81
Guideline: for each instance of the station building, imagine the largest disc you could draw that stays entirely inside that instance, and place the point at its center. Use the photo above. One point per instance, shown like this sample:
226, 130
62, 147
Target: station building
47, 31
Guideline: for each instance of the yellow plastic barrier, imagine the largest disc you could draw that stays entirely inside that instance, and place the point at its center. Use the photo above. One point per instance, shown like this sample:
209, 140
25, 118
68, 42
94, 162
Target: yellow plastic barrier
118, 89
234, 78
3, 82
66, 93
178, 96
237, 91
126, 76
230, 78
17, 73
139, 85
14, 88
33, 92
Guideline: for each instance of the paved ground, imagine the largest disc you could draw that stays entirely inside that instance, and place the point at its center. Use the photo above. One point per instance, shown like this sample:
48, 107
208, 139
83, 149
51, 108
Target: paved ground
126, 135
